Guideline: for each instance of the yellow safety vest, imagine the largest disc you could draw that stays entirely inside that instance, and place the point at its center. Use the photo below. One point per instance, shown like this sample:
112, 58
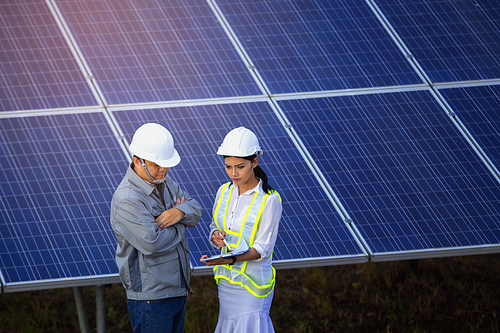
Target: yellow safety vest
235, 274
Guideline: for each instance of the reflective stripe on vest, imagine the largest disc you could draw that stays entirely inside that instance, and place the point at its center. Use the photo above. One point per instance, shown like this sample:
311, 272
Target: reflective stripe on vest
236, 273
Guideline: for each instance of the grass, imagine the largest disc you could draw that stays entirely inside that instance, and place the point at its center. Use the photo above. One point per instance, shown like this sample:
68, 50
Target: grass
459, 294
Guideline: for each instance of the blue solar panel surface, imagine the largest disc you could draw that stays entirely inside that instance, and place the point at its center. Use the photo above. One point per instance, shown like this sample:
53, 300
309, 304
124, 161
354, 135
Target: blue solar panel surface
402, 170
452, 40
310, 226
38, 69
153, 51
57, 176
478, 108
300, 46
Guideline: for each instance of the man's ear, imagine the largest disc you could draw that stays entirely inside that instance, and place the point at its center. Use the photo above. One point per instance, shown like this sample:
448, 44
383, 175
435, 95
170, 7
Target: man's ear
136, 161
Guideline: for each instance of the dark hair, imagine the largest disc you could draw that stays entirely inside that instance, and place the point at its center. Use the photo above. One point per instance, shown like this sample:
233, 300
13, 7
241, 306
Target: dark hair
259, 173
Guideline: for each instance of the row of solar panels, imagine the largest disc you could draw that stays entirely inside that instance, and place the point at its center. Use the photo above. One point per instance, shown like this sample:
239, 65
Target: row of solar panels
368, 159
154, 51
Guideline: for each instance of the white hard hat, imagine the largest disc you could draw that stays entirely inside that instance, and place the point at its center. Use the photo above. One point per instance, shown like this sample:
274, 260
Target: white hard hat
240, 142
154, 143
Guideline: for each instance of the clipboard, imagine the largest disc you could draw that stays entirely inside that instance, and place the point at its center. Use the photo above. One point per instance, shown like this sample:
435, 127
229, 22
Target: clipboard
226, 255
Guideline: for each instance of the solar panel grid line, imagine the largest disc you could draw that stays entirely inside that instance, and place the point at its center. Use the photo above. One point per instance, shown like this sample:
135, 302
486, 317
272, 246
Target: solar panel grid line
447, 150
466, 133
51, 111
293, 134
471, 83
444, 147
266, 35
349, 92
17, 235
360, 240
318, 174
82, 241
439, 253
245, 99
24, 62
254, 68
309, 160
239, 47
118, 133
474, 33
477, 107
60, 251
294, 12
184, 136
188, 102
87, 72
198, 63
477, 147
179, 40
454, 41
77, 54
398, 41
26, 254
100, 164
380, 174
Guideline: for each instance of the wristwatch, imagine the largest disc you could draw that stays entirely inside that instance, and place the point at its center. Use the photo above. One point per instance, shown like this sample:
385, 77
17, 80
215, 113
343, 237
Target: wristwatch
234, 260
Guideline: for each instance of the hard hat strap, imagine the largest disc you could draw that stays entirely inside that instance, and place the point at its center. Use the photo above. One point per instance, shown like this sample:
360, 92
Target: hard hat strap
145, 167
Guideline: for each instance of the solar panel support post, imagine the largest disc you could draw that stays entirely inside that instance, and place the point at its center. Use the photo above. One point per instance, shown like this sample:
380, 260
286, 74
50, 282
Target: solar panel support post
81, 310
100, 308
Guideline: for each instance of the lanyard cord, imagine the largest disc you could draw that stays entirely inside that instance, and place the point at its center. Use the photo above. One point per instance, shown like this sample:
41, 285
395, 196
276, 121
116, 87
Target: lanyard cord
145, 167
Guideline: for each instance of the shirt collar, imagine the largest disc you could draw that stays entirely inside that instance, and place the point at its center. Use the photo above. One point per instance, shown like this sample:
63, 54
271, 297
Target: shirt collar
258, 188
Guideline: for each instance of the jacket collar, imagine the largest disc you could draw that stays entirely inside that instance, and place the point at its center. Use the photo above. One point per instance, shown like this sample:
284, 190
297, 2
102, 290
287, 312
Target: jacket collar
144, 185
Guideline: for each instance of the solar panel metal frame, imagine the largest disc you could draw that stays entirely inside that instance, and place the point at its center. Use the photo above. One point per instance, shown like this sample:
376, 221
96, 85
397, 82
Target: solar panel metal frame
425, 253
300, 262
491, 163
57, 283
71, 51
52, 283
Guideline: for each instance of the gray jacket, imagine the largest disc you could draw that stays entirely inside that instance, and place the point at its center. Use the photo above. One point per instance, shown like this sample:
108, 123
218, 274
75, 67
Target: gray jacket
153, 262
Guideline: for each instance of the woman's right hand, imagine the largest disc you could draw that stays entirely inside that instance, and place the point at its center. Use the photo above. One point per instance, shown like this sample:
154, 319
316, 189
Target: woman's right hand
218, 238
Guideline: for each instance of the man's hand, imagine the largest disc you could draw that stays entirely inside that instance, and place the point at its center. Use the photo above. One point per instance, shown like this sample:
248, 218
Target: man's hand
170, 216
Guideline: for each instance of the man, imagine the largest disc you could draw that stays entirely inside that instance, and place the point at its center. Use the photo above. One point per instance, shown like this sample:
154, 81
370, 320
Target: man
149, 215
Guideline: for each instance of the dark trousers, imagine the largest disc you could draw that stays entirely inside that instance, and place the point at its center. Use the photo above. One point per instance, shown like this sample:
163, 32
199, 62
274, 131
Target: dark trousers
158, 316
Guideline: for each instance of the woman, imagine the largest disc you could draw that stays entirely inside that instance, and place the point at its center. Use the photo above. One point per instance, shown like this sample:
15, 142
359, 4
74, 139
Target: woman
246, 215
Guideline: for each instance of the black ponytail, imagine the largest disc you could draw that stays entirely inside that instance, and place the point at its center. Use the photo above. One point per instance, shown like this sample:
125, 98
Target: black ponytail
259, 173
262, 175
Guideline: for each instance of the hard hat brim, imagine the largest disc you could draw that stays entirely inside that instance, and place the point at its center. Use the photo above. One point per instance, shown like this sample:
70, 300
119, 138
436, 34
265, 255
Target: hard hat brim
171, 162
224, 152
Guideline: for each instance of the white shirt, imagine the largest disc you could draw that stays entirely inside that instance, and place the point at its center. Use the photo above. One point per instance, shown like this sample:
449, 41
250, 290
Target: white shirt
269, 222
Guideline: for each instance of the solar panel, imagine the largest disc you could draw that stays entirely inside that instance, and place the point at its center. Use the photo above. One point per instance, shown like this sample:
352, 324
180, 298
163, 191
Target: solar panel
38, 69
302, 46
477, 108
58, 174
451, 40
157, 51
409, 180
379, 169
310, 228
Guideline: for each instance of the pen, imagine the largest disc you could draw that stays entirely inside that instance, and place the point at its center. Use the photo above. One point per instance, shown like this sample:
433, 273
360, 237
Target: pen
228, 247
